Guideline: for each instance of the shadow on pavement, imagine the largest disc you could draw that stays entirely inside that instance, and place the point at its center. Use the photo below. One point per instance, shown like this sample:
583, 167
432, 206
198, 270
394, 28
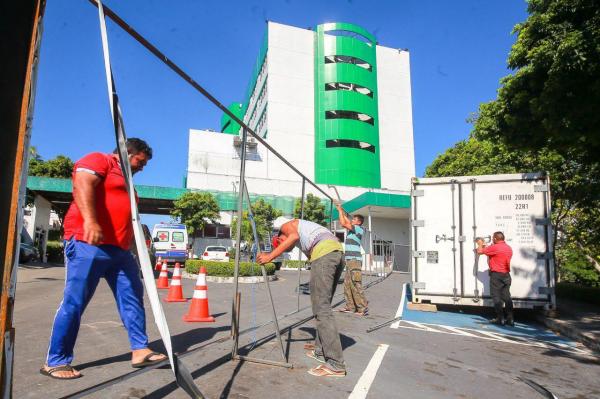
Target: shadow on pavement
181, 342
578, 358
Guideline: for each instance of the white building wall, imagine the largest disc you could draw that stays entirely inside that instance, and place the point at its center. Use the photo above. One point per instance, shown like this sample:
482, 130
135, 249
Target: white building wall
290, 123
396, 230
397, 153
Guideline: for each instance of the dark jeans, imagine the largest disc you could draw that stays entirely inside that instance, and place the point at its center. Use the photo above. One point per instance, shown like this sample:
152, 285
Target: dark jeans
500, 290
324, 275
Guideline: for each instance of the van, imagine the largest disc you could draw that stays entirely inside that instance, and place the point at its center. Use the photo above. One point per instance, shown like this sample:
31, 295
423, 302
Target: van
170, 242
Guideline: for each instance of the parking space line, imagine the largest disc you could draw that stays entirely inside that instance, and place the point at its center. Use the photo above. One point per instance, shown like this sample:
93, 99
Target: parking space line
366, 379
497, 337
489, 336
420, 326
459, 331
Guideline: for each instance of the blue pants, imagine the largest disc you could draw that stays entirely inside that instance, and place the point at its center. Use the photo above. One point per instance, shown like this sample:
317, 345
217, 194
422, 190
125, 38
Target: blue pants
85, 264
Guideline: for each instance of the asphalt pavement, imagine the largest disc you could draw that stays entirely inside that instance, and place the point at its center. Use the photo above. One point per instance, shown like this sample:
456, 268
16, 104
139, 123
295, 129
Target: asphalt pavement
446, 354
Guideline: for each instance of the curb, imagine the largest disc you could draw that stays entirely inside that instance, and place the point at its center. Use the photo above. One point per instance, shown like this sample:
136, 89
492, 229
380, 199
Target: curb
219, 279
566, 329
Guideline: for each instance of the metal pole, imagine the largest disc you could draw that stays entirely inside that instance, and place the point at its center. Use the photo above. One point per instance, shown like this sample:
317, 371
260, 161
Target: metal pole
370, 241
238, 238
300, 252
275, 321
330, 214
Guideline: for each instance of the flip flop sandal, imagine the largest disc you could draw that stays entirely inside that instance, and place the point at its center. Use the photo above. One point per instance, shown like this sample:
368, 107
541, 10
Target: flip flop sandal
313, 355
345, 310
363, 313
147, 362
323, 370
66, 367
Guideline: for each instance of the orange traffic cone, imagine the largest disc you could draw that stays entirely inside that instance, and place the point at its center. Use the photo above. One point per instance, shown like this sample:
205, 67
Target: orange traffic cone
158, 264
175, 290
199, 307
163, 279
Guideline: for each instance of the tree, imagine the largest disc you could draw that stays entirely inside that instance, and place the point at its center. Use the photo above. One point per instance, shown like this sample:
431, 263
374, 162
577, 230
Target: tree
195, 210
575, 192
59, 167
314, 210
552, 99
264, 215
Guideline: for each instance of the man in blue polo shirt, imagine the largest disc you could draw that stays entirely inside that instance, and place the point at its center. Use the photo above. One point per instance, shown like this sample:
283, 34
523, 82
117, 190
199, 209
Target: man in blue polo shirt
353, 289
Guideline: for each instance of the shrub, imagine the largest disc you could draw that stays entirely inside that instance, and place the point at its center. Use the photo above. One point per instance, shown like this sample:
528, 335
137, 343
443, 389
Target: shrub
294, 264
55, 252
225, 269
54, 235
578, 293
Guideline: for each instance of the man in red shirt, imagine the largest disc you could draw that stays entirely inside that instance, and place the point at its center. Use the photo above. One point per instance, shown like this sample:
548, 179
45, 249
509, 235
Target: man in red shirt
499, 255
98, 235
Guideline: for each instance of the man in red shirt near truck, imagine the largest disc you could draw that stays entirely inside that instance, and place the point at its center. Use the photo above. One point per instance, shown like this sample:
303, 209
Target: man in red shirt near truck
98, 235
499, 255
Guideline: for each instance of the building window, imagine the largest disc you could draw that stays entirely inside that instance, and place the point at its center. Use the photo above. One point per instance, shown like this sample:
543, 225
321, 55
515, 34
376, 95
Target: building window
210, 231
359, 116
346, 59
360, 145
383, 248
223, 232
348, 87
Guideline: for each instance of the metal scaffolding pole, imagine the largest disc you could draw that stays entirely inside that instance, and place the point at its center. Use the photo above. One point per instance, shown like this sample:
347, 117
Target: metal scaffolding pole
235, 328
300, 252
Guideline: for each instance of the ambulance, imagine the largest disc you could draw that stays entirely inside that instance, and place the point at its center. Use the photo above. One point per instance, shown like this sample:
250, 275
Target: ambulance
170, 242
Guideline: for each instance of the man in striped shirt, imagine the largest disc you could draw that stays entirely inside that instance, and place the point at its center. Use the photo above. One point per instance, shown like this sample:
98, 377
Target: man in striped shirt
353, 289
499, 255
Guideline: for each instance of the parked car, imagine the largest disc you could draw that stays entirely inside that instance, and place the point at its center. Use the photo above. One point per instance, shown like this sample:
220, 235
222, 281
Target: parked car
215, 253
27, 249
170, 242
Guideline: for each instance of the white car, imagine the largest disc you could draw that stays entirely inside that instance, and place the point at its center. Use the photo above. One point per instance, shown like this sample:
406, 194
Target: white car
216, 253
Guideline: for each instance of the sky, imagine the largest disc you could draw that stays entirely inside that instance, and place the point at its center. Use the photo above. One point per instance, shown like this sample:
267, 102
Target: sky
458, 51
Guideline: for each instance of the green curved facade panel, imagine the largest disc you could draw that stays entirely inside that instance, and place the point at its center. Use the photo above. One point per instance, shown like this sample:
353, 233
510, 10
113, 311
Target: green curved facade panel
346, 147
348, 46
349, 130
347, 73
228, 125
349, 101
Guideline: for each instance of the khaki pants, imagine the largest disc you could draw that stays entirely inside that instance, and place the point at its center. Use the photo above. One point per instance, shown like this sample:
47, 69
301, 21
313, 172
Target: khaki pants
324, 275
353, 289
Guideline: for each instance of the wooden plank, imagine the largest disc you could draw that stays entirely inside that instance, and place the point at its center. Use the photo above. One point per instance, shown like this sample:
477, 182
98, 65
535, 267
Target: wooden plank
423, 307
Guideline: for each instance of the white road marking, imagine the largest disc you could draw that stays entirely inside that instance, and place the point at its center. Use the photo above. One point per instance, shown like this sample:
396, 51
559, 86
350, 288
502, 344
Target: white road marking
400, 310
420, 326
496, 337
459, 331
489, 336
366, 379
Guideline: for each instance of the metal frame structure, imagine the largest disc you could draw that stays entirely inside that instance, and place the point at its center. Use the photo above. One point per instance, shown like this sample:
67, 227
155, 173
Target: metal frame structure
235, 326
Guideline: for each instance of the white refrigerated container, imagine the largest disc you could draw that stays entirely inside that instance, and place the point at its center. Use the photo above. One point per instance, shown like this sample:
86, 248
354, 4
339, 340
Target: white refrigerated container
447, 215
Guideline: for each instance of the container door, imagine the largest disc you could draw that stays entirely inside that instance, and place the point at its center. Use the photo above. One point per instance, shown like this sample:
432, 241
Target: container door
517, 209
435, 239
